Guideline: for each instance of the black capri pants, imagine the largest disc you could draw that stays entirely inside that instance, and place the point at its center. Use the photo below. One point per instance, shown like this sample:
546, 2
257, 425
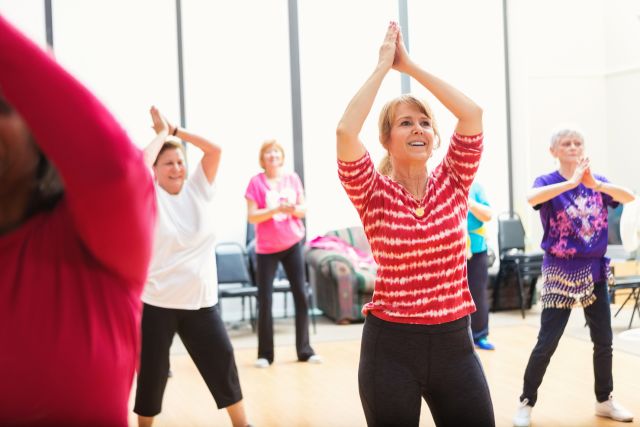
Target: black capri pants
402, 363
205, 338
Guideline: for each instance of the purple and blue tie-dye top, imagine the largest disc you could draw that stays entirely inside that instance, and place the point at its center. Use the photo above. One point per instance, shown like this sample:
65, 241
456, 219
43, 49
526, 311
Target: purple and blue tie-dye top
574, 243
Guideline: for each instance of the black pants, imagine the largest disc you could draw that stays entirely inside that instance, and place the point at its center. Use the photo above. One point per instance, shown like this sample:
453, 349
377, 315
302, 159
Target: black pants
206, 339
552, 324
478, 276
293, 264
400, 364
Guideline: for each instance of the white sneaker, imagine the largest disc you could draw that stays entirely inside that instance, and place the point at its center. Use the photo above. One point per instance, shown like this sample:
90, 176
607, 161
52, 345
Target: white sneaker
315, 359
612, 409
522, 418
261, 363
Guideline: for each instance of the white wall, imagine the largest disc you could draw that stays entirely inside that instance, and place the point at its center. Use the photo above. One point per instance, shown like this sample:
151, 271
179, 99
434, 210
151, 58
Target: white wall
128, 60
622, 82
28, 16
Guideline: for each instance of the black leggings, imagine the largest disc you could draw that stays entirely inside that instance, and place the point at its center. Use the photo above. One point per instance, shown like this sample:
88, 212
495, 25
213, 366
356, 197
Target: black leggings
552, 324
293, 264
206, 339
402, 363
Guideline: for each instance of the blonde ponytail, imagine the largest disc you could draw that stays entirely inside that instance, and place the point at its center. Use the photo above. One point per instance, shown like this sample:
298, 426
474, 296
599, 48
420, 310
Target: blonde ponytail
385, 167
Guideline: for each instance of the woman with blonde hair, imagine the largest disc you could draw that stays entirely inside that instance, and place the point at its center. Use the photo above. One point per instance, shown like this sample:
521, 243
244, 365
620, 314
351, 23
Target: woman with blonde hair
416, 340
275, 204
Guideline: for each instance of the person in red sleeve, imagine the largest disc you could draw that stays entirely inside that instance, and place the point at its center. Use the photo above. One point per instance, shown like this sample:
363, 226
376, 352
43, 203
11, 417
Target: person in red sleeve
416, 341
73, 257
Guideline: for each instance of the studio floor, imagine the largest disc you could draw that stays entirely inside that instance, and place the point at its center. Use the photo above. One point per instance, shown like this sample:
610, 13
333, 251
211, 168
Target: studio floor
290, 393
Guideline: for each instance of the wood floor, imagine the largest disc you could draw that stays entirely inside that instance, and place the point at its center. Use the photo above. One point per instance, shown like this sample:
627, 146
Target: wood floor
299, 394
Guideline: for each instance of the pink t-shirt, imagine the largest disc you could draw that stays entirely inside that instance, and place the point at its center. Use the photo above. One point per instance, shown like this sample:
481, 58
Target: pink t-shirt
283, 230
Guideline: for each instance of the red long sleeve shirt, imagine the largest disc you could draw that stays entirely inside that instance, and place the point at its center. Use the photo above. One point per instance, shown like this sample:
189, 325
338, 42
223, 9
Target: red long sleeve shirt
422, 269
70, 278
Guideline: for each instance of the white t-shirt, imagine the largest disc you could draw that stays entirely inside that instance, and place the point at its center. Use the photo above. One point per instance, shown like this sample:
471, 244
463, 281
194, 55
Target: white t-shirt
183, 273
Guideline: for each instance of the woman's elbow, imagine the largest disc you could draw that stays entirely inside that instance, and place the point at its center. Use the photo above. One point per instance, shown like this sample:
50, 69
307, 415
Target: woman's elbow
343, 132
628, 198
475, 115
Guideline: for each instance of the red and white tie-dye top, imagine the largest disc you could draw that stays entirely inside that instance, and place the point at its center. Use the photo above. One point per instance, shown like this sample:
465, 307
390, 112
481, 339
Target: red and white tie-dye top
422, 269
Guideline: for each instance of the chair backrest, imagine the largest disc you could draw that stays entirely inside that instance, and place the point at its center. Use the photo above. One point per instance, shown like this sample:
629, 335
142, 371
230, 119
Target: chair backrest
231, 260
250, 234
510, 233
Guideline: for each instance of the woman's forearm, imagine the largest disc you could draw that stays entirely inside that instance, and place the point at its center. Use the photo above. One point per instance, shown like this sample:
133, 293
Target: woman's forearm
261, 215
150, 152
618, 193
212, 152
540, 195
468, 113
480, 211
349, 146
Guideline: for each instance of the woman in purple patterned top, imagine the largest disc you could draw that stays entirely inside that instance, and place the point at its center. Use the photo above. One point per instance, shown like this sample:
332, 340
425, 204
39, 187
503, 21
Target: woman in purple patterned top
573, 209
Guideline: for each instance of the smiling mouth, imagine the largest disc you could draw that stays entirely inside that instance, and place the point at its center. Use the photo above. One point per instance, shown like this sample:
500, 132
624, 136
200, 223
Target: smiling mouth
417, 144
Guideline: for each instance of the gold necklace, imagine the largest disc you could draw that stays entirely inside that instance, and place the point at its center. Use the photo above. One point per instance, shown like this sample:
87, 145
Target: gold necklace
419, 211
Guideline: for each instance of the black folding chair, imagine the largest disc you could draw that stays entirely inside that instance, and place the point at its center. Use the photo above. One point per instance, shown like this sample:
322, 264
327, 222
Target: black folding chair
514, 260
234, 280
632, 283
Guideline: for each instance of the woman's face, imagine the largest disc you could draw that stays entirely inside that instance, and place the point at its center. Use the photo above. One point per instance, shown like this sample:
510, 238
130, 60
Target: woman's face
18, 154
568, 149
170, 170
272, 158
411, 138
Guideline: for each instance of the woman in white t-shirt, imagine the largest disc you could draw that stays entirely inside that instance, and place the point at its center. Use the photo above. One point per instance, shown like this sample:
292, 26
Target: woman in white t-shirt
275, 204
181, 293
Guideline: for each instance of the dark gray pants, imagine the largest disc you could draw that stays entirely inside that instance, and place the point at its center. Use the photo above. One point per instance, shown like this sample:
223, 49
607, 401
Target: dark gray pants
400, 364
478, 277
552, 324
293, 264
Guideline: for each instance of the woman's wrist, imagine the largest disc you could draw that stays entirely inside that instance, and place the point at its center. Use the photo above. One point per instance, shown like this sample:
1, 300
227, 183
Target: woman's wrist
598, 186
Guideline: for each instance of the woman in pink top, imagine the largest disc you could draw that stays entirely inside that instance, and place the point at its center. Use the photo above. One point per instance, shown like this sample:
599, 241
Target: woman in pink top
416, 342
275, 204
73, 260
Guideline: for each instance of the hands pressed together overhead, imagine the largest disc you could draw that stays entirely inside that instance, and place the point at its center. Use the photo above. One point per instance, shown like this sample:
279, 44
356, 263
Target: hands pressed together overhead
393, 53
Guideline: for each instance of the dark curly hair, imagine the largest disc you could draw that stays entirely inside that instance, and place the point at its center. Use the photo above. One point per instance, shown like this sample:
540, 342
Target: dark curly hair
48, 188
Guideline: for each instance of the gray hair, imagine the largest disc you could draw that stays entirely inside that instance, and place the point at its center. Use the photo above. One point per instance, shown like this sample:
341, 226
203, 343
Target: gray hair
564, 133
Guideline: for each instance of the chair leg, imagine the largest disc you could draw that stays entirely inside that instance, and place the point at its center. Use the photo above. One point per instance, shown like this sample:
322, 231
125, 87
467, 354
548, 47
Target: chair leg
636, 294
521, 289
625, 301
496, 290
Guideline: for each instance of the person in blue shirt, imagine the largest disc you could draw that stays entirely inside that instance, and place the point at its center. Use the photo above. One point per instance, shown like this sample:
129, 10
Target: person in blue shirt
477, 265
